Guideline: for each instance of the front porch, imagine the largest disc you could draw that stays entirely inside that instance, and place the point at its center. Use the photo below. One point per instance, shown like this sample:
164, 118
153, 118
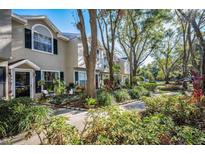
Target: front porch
22, 78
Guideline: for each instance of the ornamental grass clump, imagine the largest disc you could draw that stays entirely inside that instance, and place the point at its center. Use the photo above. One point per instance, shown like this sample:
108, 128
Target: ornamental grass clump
104, 98
138, 92
122, 95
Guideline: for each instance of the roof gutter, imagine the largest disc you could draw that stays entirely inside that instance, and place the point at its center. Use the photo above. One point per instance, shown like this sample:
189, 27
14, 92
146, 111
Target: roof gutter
19, 19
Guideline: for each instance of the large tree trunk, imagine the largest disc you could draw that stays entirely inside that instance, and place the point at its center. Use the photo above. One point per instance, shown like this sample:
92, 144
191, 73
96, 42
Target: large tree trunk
111, 70
89, 54
192, 19
131, 68
166, 79
131, 74
203, 70
91, 86
202, 43
135, 71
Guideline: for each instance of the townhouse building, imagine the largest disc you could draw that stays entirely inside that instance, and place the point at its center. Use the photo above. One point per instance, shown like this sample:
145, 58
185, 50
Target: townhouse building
33, 49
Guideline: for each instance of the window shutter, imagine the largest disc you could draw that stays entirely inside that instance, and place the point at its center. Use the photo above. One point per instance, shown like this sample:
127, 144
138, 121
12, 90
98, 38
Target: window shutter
2, 74
76, 77
28, 38
2, 81
55, 46
62, 76
38, 78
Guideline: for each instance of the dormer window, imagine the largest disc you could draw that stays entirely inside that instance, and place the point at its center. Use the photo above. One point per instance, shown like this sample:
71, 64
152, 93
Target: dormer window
42, 39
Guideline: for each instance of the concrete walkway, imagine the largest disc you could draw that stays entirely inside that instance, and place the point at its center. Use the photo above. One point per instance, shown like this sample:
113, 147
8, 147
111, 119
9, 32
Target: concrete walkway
76, 118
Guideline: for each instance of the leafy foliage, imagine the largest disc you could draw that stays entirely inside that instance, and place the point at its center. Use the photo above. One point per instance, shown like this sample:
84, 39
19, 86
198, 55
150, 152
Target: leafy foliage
138, 91
189, 135
150, 86
17, 116
122, 95
169, 87
111, 125
56, 131
90, 101
104, 98
175, 107
59, 87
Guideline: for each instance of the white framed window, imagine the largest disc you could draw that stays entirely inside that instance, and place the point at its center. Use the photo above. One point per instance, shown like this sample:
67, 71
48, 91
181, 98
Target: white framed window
42, 39
81, 78
48, 77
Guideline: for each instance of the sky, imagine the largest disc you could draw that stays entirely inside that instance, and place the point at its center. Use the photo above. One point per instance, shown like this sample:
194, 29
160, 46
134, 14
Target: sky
63, 19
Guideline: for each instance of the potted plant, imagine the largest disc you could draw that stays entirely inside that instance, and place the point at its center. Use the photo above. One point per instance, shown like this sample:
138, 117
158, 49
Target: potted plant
90, 102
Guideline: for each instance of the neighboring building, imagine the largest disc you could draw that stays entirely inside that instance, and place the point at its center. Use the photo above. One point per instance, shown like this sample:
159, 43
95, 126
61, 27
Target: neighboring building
33, 49
125, 69
76, 66
5, 50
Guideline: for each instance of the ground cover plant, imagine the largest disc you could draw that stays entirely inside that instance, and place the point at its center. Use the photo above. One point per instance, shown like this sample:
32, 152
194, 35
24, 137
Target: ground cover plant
138, 91
104, 98
166, 120
112, 125
122, 95
56, 131
17, 116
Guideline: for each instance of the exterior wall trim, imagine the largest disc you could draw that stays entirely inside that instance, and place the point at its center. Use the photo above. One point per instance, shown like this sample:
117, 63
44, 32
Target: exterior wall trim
25, 62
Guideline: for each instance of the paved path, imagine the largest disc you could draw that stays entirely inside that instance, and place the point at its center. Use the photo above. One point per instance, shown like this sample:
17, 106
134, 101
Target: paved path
76, 118
134, 106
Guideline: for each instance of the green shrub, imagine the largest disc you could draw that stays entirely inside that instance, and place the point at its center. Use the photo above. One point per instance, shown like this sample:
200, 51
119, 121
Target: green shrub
156, 127
3, 126
111, 125
18, 116
90, 101
137, 79
122, 95
22, 100
175, 106
104, 98
138, 91
170, 87
189, 135
150, 86
59, 87
58, 132
57, 100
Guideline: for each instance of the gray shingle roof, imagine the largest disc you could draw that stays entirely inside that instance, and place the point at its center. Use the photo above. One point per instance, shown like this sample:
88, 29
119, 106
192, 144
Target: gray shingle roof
71, 35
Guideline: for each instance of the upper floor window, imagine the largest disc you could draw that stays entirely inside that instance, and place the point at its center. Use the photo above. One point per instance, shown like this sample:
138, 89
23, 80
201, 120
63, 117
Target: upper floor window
42, 38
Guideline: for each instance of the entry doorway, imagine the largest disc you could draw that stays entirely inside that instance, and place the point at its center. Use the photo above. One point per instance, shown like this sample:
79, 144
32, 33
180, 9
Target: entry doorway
23, 83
